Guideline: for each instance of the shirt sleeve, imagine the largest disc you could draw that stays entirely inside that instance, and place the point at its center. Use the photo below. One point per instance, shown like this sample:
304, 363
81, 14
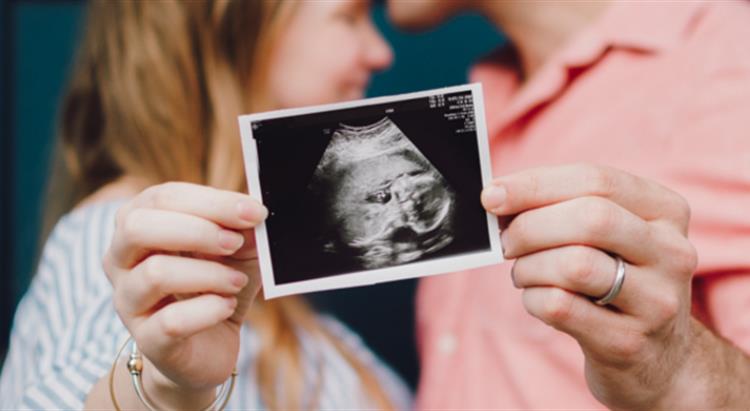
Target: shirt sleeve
65, 332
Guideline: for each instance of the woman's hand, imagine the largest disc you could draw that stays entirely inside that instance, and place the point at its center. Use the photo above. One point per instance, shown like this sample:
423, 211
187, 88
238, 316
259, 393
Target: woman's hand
563, 226
184, 271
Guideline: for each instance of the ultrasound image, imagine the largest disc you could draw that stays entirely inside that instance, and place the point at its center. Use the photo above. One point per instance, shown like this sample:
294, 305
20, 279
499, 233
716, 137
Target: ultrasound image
372, 187
386, 203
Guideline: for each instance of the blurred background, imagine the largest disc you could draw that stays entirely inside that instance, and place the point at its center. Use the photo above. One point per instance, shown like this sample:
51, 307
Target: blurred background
37, 43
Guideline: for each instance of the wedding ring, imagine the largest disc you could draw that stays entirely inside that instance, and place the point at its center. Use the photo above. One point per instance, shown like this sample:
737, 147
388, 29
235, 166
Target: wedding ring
616, 284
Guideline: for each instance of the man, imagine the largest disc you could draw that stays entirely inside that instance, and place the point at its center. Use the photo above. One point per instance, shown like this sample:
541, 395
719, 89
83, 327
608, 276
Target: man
643, 317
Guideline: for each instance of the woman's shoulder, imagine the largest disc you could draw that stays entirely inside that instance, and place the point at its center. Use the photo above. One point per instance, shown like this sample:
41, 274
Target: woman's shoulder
85, 218
95, 214
66, 319
72, 254
83, 232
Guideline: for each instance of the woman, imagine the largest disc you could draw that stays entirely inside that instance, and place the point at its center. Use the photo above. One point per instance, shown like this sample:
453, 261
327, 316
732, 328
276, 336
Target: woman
154, 99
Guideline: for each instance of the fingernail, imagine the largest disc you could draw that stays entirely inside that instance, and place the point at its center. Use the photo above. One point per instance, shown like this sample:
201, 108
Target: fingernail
230, 240
505, 243
231, 302
251, 211
238, 279
494, 197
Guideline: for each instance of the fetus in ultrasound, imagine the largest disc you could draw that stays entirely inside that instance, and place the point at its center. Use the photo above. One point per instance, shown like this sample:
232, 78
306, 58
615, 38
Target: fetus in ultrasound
384, 202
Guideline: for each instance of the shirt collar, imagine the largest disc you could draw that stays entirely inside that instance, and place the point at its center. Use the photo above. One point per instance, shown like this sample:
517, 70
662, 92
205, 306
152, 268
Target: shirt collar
648, 27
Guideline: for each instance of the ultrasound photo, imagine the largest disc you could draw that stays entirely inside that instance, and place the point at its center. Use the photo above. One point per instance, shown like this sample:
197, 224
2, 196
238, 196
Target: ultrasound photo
385, 203
370, 191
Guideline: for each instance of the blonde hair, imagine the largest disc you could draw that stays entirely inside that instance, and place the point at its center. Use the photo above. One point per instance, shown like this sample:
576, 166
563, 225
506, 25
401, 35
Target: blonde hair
155, 94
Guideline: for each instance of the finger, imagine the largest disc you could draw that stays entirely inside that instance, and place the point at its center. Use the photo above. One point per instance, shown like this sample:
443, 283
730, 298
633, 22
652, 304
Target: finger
539, 187
582, 270
161, 275
609, 336
248, 251
247, 254
145, 230
579, 269
590, 221
182, 319
227, 208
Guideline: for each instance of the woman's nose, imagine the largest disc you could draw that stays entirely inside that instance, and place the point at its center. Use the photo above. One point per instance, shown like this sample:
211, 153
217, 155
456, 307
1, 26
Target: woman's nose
378, 53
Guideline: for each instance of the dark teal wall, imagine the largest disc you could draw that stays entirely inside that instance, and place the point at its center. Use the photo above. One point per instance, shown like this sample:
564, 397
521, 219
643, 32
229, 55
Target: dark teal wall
35, 66
6, 302
436, 58
37, 44
43, 44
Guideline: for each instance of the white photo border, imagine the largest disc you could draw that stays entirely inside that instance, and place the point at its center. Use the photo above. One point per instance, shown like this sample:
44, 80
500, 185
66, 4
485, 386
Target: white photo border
369, 277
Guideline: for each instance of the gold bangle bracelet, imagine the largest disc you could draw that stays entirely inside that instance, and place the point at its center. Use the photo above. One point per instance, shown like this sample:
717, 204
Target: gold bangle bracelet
135, 368
112, 396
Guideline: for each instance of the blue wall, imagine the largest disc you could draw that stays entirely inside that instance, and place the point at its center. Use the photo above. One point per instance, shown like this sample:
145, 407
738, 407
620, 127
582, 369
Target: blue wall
436, 58
38, 41
43, 45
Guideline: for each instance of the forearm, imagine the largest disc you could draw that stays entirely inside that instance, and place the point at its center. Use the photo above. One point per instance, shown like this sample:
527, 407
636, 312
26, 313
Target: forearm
163, 396
715, 375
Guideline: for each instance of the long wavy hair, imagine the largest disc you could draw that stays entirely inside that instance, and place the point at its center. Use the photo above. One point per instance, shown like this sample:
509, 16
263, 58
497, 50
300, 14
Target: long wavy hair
155, 95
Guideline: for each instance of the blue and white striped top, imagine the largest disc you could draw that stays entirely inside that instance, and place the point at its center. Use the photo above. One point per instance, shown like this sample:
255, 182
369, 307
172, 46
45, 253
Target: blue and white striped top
66, 333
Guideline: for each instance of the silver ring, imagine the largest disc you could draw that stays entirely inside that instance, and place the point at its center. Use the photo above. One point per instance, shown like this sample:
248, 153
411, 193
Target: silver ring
616, 284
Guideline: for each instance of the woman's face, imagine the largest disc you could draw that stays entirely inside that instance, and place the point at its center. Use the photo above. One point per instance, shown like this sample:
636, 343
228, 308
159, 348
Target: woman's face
327, 53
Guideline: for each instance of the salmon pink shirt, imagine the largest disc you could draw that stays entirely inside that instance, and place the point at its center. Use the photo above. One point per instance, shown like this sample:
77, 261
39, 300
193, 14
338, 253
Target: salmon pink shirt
660, 89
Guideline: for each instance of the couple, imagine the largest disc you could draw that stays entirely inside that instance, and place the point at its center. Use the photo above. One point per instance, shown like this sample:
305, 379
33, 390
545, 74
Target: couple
661, 90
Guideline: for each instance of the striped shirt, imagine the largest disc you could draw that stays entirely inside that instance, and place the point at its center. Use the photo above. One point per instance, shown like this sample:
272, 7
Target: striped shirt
66, 333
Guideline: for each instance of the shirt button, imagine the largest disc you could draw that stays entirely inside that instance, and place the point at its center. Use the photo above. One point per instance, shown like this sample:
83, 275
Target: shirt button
447, 343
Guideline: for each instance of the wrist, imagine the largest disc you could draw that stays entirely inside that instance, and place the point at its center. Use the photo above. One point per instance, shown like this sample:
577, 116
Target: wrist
691, 385
168, 395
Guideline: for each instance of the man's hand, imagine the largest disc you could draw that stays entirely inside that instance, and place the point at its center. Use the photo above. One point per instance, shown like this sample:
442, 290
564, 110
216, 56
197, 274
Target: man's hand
564, 226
